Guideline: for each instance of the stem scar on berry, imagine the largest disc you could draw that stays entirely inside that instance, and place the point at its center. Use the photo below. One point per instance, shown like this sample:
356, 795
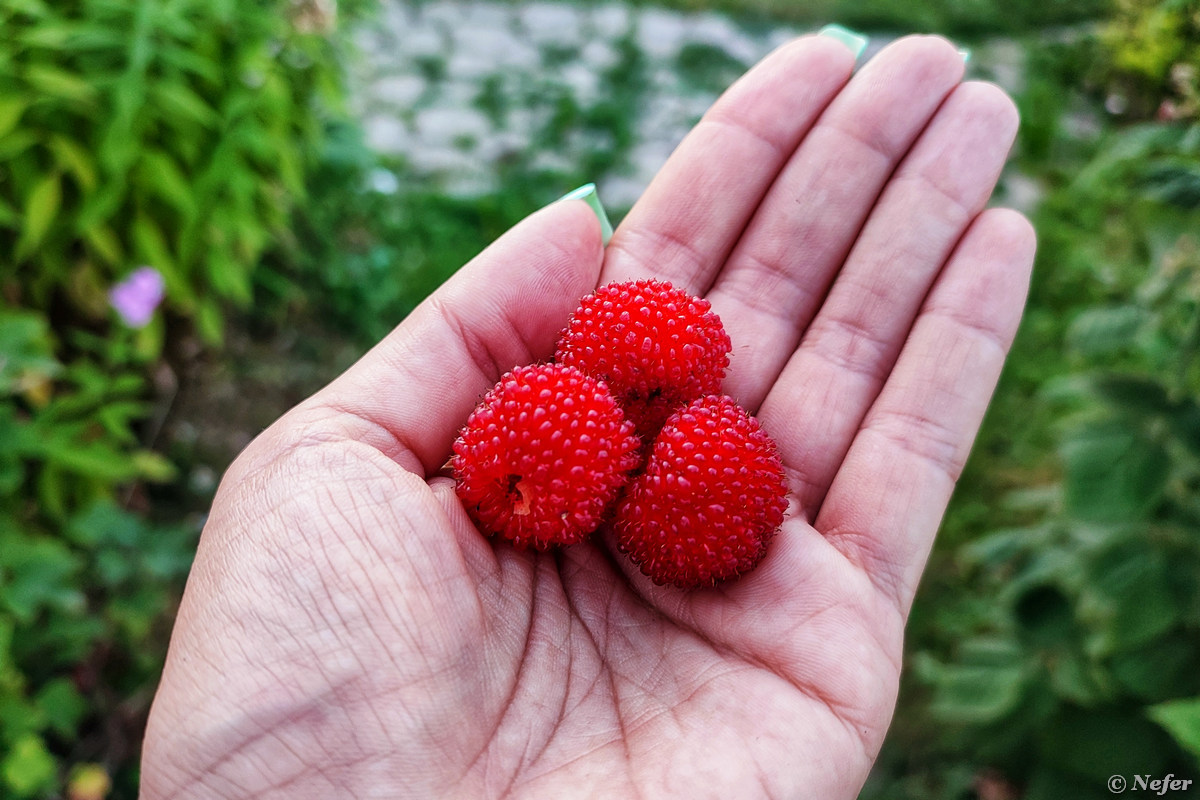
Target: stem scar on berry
516, 493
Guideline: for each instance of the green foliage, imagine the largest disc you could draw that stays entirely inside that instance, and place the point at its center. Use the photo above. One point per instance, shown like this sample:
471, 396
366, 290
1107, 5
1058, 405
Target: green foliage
707, 67
1155, 49
950, 17
1182, 719
28, 768
170, 134
83, 583
375, 236
360, 258
1057, 641
177, 134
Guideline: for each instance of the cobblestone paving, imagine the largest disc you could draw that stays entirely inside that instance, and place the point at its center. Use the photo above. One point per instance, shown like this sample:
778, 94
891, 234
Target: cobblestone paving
462, 90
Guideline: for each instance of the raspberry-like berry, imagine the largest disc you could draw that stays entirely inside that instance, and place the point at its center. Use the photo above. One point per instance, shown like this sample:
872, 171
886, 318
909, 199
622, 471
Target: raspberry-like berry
657, 347
710, 498
543, 456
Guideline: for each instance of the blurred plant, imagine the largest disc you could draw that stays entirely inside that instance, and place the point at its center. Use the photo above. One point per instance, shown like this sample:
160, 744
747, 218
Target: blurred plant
1086, 665
175, 134
84, 584
960, 18
375, 236
1056, 639
373, 240
1155, 63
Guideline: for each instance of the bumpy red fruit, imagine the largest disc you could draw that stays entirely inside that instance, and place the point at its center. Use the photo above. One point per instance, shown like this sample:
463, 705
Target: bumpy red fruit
543, 456
711, 497
657, 347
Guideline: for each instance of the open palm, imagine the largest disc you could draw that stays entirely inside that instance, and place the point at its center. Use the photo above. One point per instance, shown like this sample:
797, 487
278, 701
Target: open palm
346, 631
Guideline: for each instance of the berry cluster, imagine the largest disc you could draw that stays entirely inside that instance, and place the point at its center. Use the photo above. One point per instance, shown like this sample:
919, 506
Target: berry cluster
627, 427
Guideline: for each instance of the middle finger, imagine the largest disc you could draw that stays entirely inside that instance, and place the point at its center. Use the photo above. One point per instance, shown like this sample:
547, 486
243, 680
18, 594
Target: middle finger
779, 272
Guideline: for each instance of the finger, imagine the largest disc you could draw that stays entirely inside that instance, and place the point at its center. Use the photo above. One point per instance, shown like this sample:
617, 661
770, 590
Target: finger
820, 399
887, 500
412, 392
789, 254
692, 213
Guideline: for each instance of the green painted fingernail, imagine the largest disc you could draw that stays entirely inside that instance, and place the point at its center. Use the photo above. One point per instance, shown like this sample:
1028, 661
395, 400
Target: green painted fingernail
966, 54
587, 193
855, 41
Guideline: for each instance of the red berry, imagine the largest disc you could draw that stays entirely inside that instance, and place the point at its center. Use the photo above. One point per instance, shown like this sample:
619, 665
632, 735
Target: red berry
657, 347
543, 456
710, 498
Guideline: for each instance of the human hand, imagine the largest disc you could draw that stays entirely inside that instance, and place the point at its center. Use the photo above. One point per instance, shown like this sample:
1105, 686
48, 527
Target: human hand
347, 632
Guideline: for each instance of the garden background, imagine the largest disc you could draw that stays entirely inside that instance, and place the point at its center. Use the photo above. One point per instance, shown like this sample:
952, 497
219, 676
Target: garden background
300, 173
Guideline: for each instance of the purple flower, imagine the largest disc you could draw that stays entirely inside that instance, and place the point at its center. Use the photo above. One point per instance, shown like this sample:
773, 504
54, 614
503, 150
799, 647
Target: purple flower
136, 297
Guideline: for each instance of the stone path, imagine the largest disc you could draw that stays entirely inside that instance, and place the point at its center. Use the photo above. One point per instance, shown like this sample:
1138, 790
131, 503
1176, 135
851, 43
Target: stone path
463, 91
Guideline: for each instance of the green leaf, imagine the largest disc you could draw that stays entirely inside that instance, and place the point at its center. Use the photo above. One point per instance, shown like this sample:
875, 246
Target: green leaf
189, 61
211, 322
1074, 677
983, 686
1113, 473
26, 348
998, 549
59, 83
95, 460
148, 341
66, 642
1097, 743
229, 278
1103, 331
113, 567
11, 109
152, 249
41, 207
1174, 181
38, 572
49, 35
163, 178
1126, 598
153, 466
105, 243
52, 492
75, 160
1185, 425
12, 474
18, 716
1137, 395
1181, 718
104, 525
29, 769
9, 217
977, 695
62, 706
16, 143
177, 100
1163, 669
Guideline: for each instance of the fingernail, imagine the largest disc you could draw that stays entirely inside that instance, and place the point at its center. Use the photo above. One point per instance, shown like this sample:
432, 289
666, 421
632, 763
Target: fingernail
855, 41
966, 54
587, 193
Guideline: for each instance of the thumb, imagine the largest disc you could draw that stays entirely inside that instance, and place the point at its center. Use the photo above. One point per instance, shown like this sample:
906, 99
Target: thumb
412, 392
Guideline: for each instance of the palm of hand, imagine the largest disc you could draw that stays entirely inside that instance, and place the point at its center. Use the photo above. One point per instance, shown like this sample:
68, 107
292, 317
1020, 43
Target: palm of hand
347, 632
